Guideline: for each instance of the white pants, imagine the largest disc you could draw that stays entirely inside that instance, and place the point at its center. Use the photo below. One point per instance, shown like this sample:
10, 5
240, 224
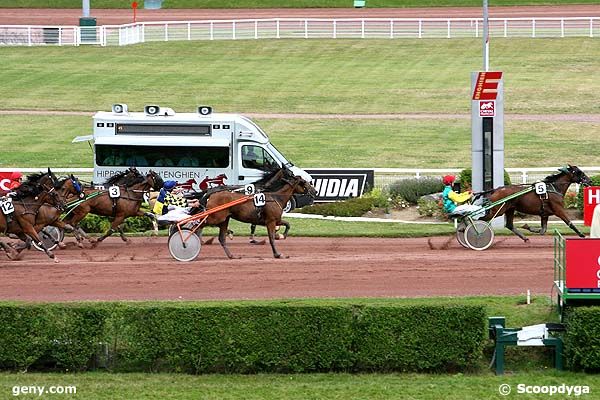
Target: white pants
175, 214
466, 209
595, 229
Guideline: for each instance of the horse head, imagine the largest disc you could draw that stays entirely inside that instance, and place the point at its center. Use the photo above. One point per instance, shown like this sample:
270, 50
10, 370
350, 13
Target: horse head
71, 186
154, 180
576, 175
302, 187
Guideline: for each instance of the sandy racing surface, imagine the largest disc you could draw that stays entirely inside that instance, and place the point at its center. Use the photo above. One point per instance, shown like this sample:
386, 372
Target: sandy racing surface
316, 267
11, 16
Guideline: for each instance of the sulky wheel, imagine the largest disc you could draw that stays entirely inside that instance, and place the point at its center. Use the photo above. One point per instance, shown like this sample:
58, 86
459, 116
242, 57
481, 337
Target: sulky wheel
460, 234
185, 246
50, 236
479, 235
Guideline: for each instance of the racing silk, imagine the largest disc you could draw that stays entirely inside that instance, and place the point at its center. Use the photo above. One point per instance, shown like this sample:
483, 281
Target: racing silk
164, 199
451, 198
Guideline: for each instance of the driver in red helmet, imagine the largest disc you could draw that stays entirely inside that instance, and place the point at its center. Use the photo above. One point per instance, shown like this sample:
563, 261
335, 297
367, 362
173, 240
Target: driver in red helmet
452, 200
15, 181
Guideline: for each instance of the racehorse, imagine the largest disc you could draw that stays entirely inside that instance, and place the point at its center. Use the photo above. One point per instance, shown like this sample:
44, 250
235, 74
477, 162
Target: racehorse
49, 215
534, 204
277, 193
118, 204
27, 200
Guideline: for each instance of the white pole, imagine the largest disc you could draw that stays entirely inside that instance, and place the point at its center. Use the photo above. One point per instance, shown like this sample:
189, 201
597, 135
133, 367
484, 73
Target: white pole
86, 8
486, 38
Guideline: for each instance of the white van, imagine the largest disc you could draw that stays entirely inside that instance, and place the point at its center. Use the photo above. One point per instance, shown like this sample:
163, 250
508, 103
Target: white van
184, 146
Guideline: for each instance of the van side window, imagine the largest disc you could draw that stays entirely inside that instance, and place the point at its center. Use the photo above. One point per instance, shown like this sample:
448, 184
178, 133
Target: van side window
256, 157
162, 156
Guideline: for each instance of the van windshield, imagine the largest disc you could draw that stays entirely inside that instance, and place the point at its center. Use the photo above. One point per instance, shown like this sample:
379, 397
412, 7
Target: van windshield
279, 156
162, 156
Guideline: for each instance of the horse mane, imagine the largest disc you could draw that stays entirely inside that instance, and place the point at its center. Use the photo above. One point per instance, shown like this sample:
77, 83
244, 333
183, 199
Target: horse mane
27, 189
127, 178
552, 178
279, 183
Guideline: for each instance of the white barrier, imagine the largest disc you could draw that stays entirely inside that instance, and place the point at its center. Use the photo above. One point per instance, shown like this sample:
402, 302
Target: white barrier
298, 28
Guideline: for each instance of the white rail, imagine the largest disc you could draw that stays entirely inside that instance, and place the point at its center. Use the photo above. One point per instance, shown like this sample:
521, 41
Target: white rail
298, 28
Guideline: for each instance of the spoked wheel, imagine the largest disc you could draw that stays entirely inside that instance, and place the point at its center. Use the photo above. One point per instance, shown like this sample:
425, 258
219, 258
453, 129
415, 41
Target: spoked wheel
460, 234
479, 235
185, 246
50, 236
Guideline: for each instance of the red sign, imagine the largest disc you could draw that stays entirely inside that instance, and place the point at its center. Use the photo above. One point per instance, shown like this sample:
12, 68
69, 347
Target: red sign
486, 87
5, 180
583, 263
134, 5
591, 198
487, 108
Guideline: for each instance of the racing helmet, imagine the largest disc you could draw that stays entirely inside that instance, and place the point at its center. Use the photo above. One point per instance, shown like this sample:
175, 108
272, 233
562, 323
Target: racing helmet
448, 179
16, 175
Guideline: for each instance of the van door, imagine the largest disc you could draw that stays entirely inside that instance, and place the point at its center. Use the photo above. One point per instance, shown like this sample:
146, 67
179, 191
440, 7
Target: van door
253, 161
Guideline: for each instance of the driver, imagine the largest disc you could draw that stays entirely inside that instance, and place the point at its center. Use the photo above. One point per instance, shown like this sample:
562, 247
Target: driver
15, 181
453, 202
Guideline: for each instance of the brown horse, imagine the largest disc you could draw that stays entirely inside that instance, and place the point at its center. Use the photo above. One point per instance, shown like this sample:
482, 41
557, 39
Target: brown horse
543, 205
276, 195
126, 204
27, 200
69, 189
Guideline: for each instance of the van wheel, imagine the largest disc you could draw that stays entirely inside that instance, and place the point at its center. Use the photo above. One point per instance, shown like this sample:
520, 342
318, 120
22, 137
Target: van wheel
290, 205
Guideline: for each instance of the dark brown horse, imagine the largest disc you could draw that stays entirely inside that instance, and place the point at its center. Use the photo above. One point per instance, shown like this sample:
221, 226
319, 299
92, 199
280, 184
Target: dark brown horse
27, 200
276, 195
543, 205
119, 207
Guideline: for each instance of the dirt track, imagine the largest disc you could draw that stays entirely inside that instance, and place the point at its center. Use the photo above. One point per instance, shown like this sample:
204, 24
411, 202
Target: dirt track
317, 267
13, 16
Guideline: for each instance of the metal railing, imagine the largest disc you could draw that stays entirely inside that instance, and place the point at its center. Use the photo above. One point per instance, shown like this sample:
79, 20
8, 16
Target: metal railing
298, 28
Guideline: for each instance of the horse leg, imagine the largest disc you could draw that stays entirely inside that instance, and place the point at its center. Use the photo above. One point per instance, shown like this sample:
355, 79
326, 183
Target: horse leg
114, 226
29, 231
271, 227
287, 228
562, 215
252, 236
542, 229
11, 253
223, 236
510, 216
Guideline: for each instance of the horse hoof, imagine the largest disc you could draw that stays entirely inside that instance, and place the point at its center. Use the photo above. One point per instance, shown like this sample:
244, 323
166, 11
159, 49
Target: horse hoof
61, 245
526, 240
277, 236
56, 260
209, 241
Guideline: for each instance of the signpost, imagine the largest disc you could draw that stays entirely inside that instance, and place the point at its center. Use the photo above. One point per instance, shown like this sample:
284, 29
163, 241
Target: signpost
134, 5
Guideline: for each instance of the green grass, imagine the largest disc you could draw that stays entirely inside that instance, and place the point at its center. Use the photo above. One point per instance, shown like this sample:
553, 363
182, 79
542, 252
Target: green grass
91, 386
39, 141
280, 3
542, 76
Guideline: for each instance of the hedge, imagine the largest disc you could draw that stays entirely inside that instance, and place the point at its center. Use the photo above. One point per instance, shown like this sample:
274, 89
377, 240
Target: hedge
582, 338
193, 338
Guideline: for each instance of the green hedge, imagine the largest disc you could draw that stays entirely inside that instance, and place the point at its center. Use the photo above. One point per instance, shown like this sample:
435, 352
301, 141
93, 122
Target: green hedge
242, 339
582, 338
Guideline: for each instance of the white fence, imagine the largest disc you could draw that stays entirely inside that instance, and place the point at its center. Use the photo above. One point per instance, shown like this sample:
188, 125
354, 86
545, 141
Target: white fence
297, 28
383, 176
